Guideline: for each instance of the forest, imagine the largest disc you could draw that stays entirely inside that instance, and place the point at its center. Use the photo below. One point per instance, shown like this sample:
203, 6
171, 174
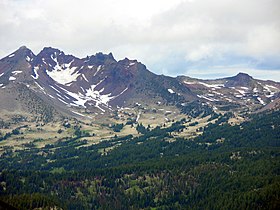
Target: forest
226, 167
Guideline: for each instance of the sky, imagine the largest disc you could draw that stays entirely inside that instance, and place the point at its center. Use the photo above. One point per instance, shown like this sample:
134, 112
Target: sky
199, 38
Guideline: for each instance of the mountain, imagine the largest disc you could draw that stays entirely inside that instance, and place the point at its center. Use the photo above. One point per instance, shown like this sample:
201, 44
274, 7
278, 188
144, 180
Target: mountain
240, 92
96, 133
97, 83
53, 84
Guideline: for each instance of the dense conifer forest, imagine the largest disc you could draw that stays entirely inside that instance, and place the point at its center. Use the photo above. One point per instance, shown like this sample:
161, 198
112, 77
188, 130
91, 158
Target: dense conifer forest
226, 167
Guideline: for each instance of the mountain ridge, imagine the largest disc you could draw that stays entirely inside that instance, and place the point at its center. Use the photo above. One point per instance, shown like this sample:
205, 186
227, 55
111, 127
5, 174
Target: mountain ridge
99, 83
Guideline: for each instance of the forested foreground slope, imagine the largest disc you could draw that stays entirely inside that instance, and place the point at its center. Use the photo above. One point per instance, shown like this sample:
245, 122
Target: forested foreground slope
227, 167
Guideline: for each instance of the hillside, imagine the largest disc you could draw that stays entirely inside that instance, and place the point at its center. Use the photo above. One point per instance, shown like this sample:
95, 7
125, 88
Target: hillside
97, 133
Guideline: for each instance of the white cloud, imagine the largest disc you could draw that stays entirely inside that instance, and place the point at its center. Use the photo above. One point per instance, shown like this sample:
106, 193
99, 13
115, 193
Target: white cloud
156, 32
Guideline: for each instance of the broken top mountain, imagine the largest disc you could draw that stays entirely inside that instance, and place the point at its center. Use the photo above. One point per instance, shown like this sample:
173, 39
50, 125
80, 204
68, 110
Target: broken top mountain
53, 83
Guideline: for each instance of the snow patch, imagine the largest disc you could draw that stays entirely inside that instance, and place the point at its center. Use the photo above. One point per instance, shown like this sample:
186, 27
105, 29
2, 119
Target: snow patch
138, 116
1, 74
270, 86
261, 101
220, 94
218, 86
54, 88
63, 74
16, 72
12, 55
36, 68
241, 92
67, 65
85, 77
62, 101
97, 70
238, 96
171, 91
39, 86
12, 78
190, 83
51, 96
78, 113
209, 99
28, 59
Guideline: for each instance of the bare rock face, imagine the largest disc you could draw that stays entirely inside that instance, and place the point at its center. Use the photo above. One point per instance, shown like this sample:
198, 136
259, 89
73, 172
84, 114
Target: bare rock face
241, 79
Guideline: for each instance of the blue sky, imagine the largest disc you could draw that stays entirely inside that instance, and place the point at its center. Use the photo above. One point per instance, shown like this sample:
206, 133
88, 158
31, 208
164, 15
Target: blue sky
198, 38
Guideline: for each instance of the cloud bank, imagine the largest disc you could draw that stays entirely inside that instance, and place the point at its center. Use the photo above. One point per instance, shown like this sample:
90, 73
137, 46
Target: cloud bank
202, 38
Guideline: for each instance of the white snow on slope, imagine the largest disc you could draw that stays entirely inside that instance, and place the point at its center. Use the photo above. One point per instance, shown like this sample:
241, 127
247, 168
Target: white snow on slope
242, 92
54, 88
1, 74
273, 87
209, 99
270, 88
85, 77
212, 86
62, 101
92, 95
39, 86
171, 91
63, 74
51, 96
36, 68
16, 72
78, 113
12, 55
261, 101
12, 78
97, 70
28, 58
190, 83
138, 116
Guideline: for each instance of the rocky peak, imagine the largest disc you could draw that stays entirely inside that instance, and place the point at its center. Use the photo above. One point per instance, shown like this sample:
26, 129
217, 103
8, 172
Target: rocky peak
53, 57
23, 53
242, 76
241, 79
101, 59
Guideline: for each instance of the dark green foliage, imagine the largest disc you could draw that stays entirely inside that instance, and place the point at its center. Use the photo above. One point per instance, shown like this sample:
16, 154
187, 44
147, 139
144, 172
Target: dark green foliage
15, 132
117, 127
141, 129
78, 132
59, 131
193, 124
149, 171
